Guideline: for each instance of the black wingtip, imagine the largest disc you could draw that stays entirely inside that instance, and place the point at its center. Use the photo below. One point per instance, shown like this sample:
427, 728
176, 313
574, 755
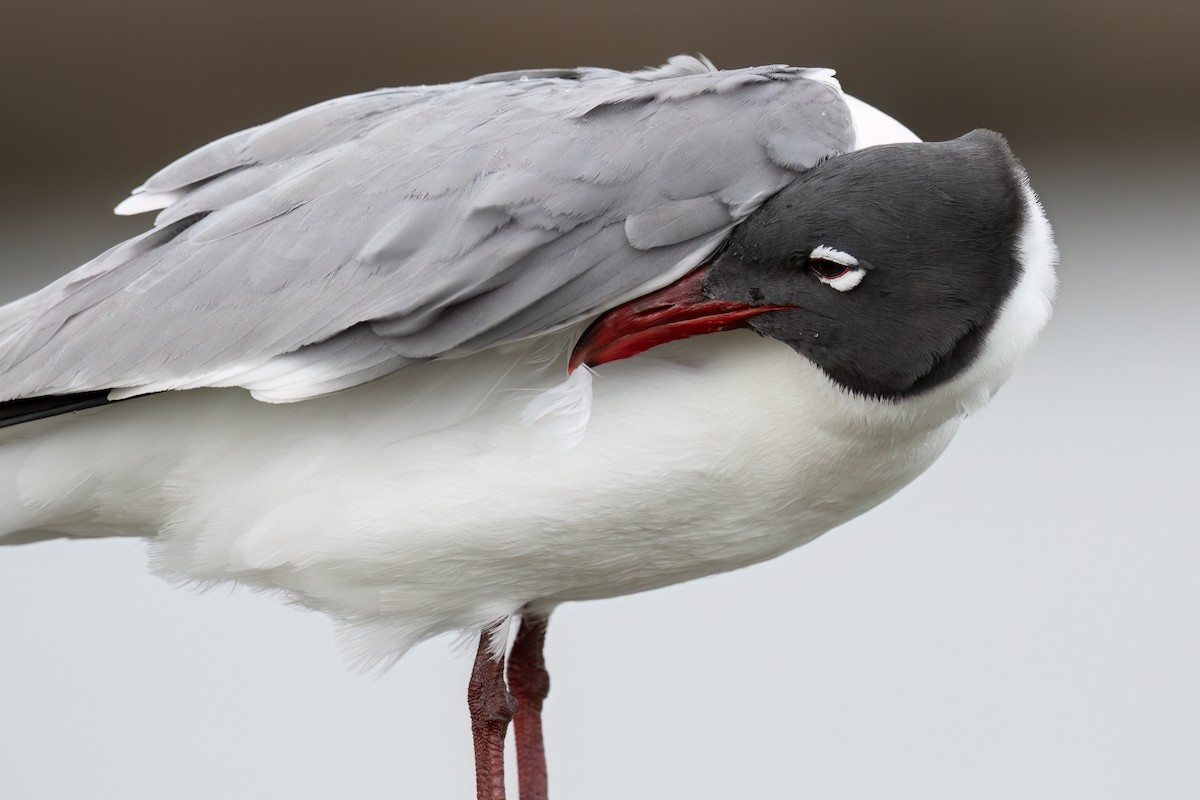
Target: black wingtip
17, 412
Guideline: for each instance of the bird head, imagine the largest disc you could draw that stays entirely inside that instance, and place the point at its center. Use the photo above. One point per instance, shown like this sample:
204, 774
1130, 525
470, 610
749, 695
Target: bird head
895, 269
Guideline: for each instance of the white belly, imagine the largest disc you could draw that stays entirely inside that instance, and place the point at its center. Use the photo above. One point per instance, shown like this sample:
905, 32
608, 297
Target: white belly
422, 503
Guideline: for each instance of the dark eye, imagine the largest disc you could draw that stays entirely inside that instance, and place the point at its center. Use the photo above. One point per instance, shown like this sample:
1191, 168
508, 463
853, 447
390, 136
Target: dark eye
828, 269
835, 268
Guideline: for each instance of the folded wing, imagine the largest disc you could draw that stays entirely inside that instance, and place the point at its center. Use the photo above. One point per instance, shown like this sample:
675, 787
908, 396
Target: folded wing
339, 243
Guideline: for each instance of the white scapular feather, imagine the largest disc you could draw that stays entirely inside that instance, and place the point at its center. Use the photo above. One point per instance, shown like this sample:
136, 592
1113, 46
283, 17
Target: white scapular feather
873, 127
142, 201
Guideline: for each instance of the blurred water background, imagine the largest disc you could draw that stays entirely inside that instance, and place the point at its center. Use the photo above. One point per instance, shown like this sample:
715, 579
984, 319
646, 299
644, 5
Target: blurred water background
1021, 622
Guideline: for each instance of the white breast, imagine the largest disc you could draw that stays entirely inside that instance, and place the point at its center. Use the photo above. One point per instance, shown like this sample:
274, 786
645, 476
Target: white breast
422, 503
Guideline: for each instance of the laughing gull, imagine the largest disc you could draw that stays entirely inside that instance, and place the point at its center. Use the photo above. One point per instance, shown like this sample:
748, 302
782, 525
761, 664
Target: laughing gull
429, 359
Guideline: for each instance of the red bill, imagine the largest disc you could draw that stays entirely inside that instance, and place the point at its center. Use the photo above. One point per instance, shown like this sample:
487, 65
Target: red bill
674, 312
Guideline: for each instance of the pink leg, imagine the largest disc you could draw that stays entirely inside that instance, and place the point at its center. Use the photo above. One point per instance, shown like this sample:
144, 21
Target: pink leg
491, 709
530, 683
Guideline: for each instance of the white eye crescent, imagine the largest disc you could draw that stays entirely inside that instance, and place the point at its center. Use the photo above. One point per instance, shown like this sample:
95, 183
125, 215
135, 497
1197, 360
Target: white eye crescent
846, 281
835, 268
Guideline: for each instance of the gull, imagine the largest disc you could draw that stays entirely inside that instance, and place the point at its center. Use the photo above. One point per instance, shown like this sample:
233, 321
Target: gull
441, 358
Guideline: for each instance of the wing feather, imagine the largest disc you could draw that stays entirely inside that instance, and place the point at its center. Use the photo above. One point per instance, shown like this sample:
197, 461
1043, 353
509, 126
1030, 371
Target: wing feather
345, 240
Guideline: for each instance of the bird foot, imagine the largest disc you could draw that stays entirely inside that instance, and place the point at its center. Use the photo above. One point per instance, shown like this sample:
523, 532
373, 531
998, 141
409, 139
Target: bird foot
530, 683
491, 708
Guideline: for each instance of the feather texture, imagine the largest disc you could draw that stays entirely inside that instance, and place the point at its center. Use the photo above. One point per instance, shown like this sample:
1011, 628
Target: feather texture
349, 239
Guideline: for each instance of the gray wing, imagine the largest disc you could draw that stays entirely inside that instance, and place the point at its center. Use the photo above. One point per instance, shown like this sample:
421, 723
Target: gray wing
346, 240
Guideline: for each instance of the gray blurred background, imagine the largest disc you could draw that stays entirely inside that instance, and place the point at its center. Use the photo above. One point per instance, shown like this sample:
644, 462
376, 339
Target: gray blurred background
1021, 622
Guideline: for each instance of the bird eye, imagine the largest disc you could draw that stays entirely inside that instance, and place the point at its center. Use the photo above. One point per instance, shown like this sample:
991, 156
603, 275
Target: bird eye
835, 268
828, 269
